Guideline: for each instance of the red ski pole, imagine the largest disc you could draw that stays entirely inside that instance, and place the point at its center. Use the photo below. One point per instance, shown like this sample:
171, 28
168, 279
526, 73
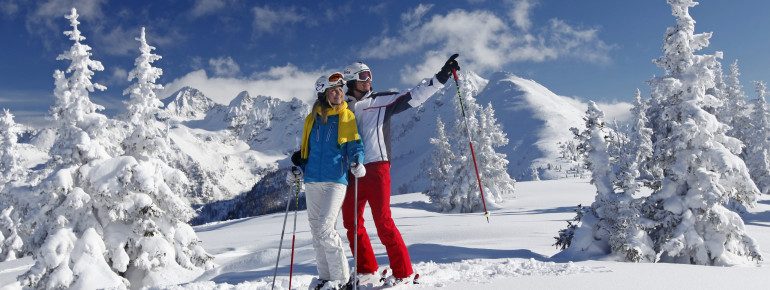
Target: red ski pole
470, 142
293, 233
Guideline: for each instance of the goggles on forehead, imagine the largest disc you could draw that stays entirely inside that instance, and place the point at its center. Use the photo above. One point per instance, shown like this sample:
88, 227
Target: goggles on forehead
363, 76
336, 77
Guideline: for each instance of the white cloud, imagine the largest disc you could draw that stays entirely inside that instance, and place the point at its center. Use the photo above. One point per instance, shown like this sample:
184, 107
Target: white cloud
47, 17
224, 67
413, 18
9, 8
521, 13
119, 77
484, 41
203, 7
267, 20
285, 82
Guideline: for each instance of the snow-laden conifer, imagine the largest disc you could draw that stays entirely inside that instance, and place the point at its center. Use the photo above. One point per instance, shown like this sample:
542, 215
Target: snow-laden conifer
758, 141
10, 161
440, 169
464, 194
701, 170
70, 207
10, 171
493, 165
635, 151
146, 140
611, 224
737, 108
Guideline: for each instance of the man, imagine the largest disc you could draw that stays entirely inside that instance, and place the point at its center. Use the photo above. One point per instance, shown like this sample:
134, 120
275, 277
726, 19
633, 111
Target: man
373, 112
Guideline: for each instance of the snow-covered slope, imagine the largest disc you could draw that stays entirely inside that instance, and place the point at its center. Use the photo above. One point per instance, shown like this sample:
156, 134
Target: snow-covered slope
534, 118
460, 251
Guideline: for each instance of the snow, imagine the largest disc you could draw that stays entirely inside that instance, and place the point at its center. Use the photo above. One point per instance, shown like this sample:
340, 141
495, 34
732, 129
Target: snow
460, 251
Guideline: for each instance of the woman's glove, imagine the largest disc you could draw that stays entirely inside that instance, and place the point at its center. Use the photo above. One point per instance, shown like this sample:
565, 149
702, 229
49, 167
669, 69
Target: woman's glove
358, 170
294, 174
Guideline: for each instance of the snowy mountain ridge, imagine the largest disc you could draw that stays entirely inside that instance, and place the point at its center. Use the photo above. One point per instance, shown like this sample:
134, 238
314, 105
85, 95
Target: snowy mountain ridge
535, 119
226, 149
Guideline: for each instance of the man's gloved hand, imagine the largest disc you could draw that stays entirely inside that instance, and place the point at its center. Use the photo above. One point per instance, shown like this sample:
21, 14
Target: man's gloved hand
294, 174
446, 70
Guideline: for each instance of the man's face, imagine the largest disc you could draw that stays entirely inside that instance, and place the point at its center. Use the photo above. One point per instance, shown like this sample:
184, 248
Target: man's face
364, 86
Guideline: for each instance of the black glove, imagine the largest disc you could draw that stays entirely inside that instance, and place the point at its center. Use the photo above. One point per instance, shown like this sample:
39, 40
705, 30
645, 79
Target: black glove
295, 158
446, 70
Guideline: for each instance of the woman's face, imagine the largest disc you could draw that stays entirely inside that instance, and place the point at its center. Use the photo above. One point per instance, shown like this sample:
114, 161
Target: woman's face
335, 95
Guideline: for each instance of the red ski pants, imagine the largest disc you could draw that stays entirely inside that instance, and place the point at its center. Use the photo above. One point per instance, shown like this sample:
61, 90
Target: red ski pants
374, 188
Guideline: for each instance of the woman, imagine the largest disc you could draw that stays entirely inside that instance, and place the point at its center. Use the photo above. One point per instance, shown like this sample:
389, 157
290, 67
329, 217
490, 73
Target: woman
330, 146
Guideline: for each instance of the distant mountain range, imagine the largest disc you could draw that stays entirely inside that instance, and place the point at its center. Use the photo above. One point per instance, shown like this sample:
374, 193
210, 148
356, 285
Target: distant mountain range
227, 149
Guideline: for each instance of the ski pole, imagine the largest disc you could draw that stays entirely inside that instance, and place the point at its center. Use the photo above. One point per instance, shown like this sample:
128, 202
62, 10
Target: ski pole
470, 142
293, 232
355, 240
280, 245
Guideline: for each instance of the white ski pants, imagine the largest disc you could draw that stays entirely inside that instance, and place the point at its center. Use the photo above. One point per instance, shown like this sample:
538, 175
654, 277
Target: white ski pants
324, 200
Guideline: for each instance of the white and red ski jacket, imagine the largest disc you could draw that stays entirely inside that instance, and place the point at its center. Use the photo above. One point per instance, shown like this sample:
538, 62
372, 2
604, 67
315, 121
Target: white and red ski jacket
374, 110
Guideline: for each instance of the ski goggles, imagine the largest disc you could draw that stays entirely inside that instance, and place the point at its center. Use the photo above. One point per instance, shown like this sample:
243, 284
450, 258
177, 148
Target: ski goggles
336, 79
363, 76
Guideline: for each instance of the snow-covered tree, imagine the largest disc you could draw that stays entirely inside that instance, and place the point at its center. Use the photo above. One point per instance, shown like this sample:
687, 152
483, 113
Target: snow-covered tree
10, 170
635, 151
464, 194
146, 139
493, 165
10, 241
758, 143
612, 223
440, 168
146, 234
10, 161
701, 170
65, 216
736, 111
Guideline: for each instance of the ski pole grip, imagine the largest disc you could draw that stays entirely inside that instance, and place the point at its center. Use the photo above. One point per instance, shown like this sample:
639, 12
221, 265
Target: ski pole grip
454, 72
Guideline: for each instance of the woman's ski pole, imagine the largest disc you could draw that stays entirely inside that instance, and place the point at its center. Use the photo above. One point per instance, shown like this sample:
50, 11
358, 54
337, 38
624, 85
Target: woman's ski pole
280, 245
470, 142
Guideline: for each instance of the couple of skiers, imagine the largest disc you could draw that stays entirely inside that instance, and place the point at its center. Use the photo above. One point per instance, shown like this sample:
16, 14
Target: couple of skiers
350, 132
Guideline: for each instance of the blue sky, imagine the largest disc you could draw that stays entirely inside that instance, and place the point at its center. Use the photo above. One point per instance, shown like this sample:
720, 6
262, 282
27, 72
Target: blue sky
589, 49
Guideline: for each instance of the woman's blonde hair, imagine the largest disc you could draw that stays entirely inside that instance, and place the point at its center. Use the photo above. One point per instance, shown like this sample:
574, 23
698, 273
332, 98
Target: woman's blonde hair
323, 105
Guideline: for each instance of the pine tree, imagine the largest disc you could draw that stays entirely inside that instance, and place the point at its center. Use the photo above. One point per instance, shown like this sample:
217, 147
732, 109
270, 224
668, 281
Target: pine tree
10, 242
10, 161
464, 194
611, 224
736, 107
146, 140
67, 215
493, 165
635, 151
758, 145
701, 171
10, 171
440, 169
158, 240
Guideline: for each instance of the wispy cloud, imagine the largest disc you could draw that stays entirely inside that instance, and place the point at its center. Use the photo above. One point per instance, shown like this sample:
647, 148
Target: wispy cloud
46, 18
484, 40
224, 67
9, 8
521, 12
283, 82
204, 7
268, 20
